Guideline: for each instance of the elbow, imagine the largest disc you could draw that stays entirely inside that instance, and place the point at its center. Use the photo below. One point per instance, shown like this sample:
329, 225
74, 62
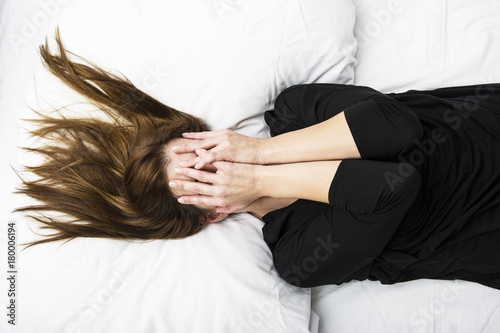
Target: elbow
286, 115
401, 189
410, 131
383, 127
401, 121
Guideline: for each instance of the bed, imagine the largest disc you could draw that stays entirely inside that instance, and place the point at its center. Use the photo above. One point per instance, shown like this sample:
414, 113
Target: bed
226, 61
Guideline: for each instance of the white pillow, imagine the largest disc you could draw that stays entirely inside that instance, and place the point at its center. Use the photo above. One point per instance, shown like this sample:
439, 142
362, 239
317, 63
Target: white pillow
224, 61
426, 44
219, 280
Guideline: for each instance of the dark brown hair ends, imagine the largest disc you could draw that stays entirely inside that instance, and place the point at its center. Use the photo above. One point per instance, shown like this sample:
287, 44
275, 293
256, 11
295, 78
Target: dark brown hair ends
108, 177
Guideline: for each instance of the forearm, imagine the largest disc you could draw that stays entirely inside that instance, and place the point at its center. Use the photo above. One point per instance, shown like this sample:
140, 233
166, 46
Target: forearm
315, 128
331, 122
237, 187
308, 180
328, 140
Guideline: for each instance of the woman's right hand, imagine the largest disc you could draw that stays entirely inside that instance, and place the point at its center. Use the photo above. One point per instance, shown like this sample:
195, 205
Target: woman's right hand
234, 186
224, 145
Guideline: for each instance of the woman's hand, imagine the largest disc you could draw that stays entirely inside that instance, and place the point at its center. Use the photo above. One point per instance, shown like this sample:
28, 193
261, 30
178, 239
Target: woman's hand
224, 145
235, 186
232, 188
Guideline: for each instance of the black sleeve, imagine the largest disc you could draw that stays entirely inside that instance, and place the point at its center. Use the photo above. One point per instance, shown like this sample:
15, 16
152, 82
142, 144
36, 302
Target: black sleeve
315, 244
381, 126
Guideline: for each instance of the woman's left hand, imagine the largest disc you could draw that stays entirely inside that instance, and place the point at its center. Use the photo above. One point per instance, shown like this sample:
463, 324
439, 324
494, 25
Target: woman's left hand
231, 188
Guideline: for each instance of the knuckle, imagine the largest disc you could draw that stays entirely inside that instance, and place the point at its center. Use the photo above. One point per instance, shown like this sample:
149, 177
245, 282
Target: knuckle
198, 201
194, 200
184, 200
211, 155
201, 177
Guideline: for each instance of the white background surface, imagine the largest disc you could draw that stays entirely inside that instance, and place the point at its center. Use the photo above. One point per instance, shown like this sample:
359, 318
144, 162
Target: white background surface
403, 45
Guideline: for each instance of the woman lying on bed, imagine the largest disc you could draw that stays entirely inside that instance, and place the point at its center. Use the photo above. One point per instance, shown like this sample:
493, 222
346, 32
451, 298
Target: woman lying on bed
391, 187
353, 184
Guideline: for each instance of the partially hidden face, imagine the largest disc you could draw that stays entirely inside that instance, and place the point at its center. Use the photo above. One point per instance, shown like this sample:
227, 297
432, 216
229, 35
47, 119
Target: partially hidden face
174, 160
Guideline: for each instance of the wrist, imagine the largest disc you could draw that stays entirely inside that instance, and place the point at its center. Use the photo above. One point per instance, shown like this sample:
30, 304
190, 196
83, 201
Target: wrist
261, 151
307, 180
274, 150
272, 180
261, 185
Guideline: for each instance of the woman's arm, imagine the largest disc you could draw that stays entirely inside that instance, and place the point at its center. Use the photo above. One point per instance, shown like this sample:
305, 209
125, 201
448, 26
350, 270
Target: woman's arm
235, 186
328, 140
343, 238
364, 210
315, 123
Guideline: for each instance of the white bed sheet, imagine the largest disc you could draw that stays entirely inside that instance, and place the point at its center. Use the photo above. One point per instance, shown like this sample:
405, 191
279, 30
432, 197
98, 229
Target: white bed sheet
403, 45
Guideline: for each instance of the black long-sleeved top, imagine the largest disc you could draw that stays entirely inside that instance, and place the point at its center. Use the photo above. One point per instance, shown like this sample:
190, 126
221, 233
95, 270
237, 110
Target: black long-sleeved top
423, 202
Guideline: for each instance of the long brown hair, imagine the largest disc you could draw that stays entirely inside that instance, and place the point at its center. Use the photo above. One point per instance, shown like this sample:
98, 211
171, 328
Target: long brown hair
109, 177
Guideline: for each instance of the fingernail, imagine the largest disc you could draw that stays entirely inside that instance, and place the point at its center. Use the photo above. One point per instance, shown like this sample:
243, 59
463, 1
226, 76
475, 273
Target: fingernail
183, 163
175, 148
177, 170
197, 166
181, 200
172, 184
198, 151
